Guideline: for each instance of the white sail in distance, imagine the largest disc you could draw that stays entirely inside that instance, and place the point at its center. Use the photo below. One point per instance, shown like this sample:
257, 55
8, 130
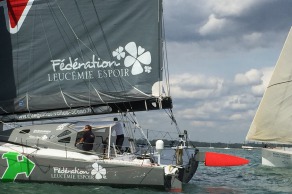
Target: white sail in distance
273, 119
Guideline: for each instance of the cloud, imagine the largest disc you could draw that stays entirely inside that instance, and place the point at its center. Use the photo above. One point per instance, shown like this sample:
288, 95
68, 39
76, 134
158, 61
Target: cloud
267, 74
230, 23
202, 111
253, 39
253, 76
230, 7
213, 25
222, 16
195, 86
257, 79
258, 90
203, 124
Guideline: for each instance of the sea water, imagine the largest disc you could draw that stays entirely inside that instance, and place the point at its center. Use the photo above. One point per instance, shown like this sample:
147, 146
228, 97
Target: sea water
250, 179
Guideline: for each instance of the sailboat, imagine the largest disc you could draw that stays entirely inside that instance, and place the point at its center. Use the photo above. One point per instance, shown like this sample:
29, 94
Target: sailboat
211, 147
77, 59
245, 146
272, 121
227, 147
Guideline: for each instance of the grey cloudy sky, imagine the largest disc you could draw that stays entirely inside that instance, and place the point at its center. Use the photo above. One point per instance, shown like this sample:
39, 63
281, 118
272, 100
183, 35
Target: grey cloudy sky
221, 54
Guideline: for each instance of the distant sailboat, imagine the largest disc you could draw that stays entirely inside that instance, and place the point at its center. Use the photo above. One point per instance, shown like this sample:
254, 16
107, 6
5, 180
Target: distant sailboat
227, 147
272, 122
247, 147
211, 147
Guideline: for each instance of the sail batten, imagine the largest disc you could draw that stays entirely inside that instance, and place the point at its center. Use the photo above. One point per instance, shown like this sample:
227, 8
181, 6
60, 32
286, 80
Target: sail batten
74, 54
64, 99
272, 122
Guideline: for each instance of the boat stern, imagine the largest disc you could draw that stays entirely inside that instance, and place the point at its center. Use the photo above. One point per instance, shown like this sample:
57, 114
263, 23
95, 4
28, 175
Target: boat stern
176, 175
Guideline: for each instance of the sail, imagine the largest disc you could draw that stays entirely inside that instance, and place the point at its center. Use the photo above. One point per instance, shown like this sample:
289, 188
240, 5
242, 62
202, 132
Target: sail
75, 57
272, 122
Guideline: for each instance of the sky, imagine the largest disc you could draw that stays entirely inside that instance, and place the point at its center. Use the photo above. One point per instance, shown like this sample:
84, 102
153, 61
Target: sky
221, 54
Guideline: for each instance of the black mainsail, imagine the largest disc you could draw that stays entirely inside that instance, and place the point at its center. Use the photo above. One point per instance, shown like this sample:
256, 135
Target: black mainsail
71, 58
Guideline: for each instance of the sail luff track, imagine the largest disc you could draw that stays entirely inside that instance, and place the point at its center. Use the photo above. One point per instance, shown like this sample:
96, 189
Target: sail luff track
165, 61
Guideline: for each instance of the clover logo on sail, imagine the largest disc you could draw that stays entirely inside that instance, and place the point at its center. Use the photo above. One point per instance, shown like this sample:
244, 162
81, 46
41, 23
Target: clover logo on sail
16, 12
136, 58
